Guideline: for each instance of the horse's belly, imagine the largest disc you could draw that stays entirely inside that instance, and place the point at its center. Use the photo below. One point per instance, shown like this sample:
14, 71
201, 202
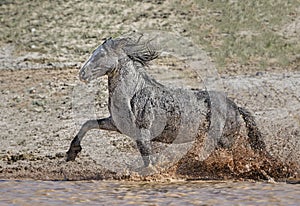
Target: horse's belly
186, 124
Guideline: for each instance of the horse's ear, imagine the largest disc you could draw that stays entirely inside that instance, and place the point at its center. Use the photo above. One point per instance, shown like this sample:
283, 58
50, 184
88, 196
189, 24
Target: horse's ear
106, 39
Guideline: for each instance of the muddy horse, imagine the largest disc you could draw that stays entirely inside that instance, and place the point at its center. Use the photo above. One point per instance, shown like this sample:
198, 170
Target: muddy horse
147, 111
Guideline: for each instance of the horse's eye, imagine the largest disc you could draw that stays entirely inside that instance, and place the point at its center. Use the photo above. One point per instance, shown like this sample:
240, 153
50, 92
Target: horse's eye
101, 55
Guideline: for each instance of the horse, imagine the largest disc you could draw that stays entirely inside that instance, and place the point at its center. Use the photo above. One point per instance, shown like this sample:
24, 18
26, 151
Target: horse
148, 111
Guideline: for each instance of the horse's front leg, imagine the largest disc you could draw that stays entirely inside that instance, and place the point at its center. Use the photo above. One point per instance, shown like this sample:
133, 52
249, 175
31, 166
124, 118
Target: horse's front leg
75, 148
143, 142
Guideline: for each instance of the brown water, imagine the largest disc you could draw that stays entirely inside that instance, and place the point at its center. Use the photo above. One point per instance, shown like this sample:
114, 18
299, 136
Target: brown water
143, 193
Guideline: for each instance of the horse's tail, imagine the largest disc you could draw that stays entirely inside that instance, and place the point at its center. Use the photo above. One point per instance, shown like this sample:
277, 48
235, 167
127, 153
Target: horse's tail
254, 135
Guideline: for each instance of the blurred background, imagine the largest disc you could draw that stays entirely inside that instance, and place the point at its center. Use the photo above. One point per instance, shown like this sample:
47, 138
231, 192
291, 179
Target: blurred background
240, 36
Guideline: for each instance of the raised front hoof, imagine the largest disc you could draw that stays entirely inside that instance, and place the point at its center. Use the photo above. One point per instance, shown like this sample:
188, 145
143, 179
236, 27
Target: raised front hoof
72, 153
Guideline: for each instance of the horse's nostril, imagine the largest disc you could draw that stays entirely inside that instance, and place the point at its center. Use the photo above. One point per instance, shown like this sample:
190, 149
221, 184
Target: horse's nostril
82, 76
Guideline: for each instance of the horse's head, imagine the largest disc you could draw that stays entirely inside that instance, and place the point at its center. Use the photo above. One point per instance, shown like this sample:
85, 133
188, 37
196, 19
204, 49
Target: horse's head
107, 57
102, 61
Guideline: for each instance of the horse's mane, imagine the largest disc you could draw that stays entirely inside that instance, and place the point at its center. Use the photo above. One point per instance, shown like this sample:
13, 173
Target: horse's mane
140, 49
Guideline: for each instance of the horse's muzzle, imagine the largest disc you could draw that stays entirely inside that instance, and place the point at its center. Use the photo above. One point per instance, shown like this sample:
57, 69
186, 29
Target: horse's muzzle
83, 77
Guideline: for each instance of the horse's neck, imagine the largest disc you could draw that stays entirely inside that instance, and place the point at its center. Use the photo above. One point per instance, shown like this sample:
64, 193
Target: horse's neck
126, 80
122, 85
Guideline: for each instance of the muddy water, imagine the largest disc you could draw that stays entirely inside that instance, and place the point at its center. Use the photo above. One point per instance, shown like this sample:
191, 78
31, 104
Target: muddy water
30, 192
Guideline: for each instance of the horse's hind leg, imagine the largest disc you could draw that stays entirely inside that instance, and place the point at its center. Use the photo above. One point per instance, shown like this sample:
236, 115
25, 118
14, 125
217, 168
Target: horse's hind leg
75, 148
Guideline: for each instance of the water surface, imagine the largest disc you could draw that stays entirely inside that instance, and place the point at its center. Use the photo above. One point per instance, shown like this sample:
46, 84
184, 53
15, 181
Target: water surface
29, 192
